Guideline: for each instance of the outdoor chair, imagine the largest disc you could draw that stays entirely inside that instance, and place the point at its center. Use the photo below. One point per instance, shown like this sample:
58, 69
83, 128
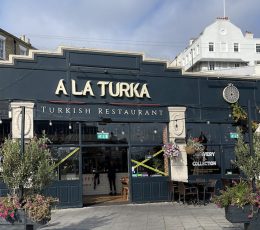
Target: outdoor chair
125, 189
210, 188
173, 187
189, 191
201, 184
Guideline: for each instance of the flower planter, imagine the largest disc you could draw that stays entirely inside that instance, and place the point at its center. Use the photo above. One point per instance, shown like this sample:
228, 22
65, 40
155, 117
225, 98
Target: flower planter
235, 214
240, 215
190, 150
22, 223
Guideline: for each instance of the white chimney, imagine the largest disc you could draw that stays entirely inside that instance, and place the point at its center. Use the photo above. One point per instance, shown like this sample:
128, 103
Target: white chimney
249, 35
25, 39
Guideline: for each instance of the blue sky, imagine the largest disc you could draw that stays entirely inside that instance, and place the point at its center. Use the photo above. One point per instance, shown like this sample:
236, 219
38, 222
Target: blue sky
158, 28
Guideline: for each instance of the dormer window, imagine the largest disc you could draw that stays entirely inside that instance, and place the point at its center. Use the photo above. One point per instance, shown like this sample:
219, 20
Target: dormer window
2, 47
23, 50
211, 46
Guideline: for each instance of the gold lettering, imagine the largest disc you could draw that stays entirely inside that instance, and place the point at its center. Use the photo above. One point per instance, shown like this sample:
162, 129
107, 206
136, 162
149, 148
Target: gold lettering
135, 91
74, 88
88, 89
124, 88
131, 90
116, 91
119, 89
144, 91
103, 87
61, 88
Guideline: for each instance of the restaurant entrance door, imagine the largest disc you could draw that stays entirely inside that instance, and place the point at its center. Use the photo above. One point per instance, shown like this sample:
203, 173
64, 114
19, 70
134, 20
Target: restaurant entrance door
104, 173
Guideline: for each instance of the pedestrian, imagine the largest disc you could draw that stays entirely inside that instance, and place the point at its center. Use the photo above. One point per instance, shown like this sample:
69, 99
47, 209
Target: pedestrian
111, 173
96, 178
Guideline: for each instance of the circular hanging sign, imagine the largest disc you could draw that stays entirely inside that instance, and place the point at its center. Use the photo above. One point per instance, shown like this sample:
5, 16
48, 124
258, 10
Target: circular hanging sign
231, 93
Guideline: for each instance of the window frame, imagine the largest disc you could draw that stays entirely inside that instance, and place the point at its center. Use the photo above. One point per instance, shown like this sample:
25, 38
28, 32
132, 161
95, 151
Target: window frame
22, 49
2, 39
236, 47
211, 47
198, 49
257, 48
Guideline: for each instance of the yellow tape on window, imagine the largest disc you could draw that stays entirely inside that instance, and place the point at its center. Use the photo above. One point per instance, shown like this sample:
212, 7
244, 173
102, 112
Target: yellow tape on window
151, 168
144, 161
65, 158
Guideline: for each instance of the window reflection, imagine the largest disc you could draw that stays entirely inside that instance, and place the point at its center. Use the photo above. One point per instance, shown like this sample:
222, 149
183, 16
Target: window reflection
69, 169
147, 161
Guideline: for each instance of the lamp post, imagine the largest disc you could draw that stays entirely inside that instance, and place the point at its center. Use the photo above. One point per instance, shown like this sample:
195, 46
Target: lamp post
22, 144
22, 131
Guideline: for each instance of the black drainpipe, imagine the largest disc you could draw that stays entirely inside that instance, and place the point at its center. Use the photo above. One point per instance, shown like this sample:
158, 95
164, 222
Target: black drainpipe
15, 46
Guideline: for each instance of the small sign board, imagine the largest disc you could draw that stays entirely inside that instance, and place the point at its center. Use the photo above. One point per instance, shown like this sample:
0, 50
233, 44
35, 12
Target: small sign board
233, 135
148, 156
103, 136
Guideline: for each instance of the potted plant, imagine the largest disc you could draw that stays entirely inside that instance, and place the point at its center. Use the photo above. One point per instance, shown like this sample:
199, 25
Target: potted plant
26, 176
171, 150
194, 145
9, 207
241, 202
239, 116
38, 208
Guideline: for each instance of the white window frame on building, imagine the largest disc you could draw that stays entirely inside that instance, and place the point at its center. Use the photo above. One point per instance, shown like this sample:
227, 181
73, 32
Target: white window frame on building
198, 49
257, 47
2, 47
211, 46
236, 47
23, 50
237, 65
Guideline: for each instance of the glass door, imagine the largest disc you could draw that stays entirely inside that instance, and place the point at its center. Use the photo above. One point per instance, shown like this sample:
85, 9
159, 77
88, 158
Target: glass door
103, 171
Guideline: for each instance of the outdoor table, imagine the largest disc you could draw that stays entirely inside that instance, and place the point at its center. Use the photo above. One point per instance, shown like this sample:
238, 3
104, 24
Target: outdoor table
200, 183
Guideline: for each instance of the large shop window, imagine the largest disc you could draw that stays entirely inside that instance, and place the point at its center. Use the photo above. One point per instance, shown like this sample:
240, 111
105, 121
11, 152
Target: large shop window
59, 132
218, 155
147, 158
101, 132
67, 162
123, 133
147, 162
206, 162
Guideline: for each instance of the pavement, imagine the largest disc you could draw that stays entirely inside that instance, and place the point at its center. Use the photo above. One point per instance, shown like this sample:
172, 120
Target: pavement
150, 216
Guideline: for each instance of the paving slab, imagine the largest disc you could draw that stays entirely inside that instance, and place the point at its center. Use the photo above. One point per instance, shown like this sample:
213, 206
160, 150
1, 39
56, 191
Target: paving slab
149, 216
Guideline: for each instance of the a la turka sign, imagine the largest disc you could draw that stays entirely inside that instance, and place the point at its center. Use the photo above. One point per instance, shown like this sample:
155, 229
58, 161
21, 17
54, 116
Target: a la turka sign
113, 89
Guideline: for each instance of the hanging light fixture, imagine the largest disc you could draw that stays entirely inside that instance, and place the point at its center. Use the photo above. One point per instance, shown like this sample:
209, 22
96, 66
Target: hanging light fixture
70, 127
50, 123
1, 121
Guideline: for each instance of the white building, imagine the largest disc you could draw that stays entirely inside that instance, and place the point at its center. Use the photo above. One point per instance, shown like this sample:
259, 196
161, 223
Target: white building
221, 49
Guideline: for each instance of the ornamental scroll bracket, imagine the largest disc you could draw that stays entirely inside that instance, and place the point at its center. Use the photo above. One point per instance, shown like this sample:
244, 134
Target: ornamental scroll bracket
16, 110
177, 129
